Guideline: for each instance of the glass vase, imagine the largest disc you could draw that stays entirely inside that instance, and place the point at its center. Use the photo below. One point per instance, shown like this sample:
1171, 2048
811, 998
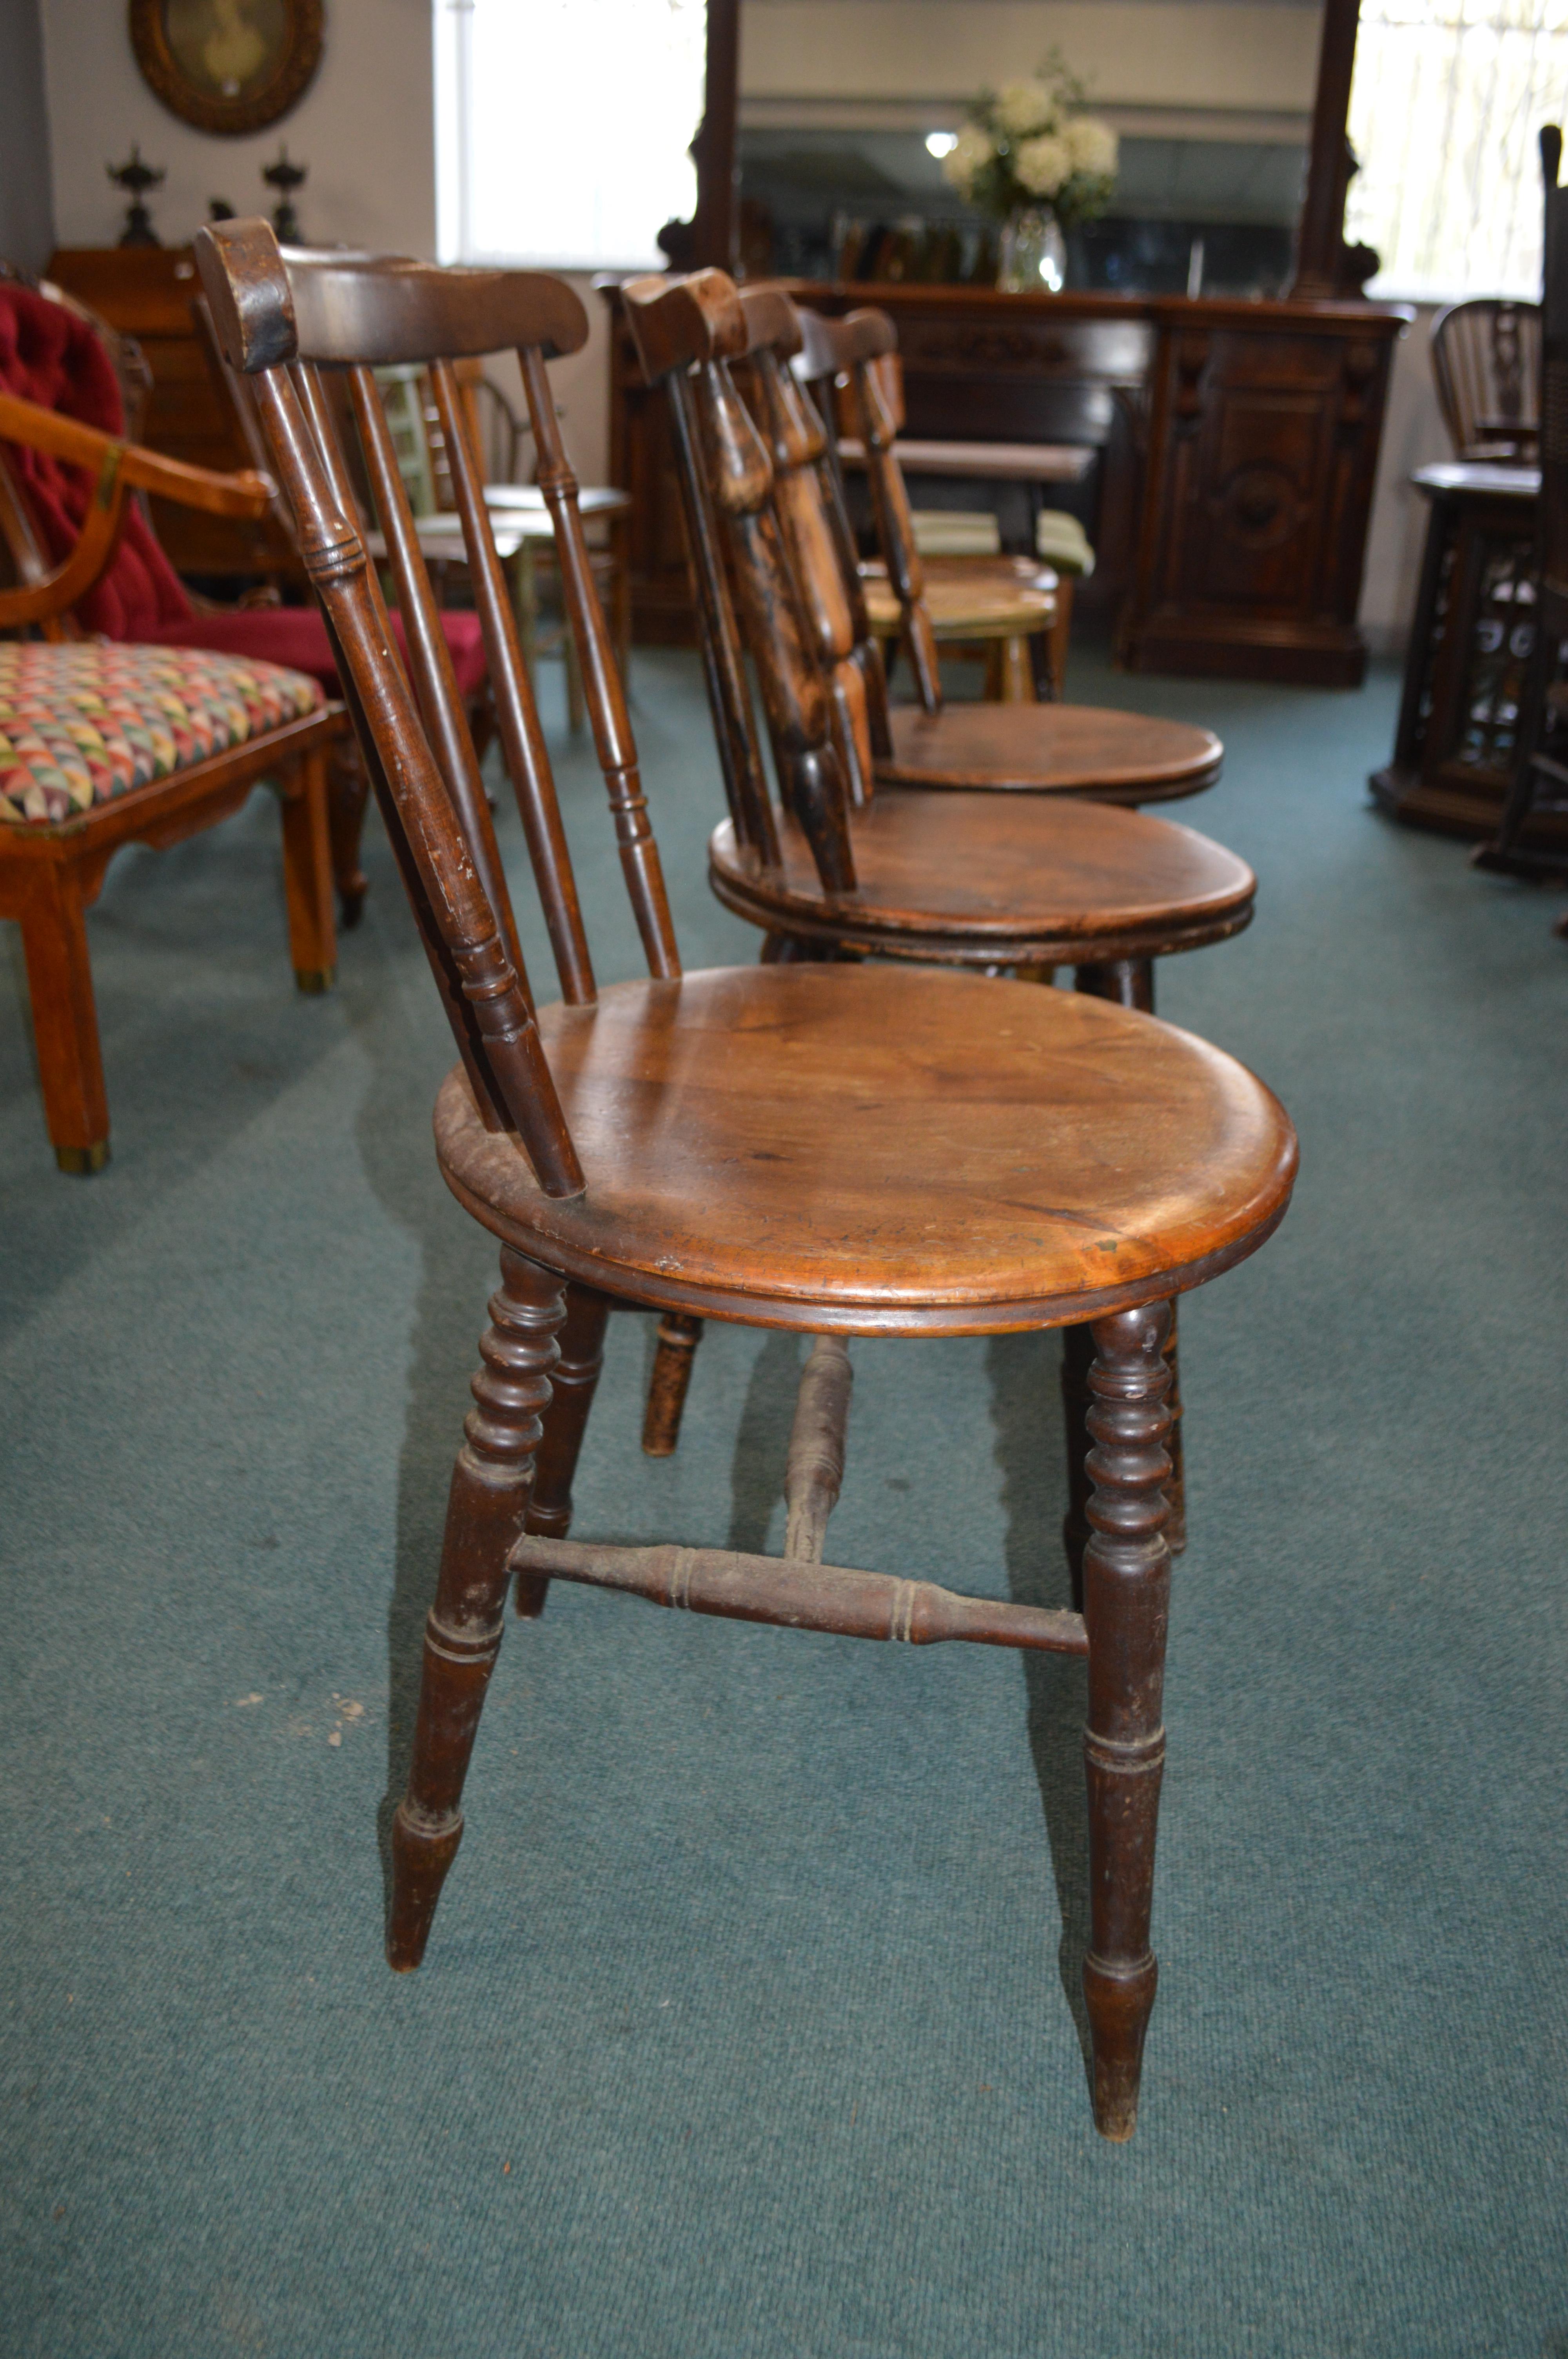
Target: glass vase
1033, 253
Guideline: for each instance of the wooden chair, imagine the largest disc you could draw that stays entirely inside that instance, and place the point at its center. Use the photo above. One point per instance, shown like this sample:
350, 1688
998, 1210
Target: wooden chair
1057, 748
103, 744
994, 883
698, 1141
1486, 361
997, 605
1540, 788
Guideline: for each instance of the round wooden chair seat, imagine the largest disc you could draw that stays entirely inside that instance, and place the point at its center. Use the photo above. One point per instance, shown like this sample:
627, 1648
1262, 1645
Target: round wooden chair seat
982, 606
1064, 749
880, 1151
995, 880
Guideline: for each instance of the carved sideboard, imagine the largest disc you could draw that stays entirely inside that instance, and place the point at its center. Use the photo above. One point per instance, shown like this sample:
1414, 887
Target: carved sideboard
1238, 442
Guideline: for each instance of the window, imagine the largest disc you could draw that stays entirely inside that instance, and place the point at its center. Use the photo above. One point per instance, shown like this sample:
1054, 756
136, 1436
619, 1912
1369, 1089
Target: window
562, 127
1448, 98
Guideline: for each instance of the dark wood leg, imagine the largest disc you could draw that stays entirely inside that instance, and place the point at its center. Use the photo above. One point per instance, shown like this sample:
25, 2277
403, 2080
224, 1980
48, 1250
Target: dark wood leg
484, 1517
348, 791
65, 1021
1077, 1358
678, 1339
1127, 1579
1176, 1487
1129, 981
307, 876
572, 1385
1131, 984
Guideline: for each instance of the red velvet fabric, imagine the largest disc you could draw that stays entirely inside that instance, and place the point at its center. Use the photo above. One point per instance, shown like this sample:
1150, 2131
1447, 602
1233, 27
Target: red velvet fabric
296, 635
49, 356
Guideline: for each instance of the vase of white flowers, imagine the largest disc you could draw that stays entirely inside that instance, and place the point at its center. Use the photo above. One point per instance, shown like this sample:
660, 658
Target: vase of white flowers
1030, 157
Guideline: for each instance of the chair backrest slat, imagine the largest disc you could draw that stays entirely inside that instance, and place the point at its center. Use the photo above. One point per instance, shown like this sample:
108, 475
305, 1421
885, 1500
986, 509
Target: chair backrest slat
694, 326
819, 366
875, 406
251, 294
340, 492
603, 687
521, 739
334, 557
789, 427
434, 679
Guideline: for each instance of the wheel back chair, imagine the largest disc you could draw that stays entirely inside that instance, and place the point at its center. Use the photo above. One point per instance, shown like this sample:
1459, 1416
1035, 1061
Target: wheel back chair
993, 883
104, 742
1539, 786
702, 1142
1056, 748
1486, 362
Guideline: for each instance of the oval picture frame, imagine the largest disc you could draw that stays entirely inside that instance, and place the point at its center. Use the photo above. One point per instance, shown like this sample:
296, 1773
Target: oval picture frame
273, 48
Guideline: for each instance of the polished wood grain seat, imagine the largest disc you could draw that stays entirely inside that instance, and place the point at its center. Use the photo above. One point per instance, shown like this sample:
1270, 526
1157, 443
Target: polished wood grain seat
1009, 883
1061, 749
835, 1149
881, 1152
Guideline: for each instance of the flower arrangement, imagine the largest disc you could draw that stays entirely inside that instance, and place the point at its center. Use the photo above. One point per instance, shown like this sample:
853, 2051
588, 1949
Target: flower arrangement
1028, 144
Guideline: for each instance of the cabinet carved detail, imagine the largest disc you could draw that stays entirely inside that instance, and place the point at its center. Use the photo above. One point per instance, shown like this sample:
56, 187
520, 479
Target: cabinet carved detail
1258, 506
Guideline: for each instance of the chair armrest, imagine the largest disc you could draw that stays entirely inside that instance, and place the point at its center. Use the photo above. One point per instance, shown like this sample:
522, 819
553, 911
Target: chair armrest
245, 494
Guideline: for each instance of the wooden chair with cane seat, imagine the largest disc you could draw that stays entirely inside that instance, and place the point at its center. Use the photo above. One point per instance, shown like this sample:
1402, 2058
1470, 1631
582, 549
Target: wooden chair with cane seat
104, 744
703, 1141
994, 883
1539, 786
1051, 748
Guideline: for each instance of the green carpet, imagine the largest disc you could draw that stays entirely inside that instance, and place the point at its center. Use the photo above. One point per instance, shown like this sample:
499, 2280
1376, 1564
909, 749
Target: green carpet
749, 2025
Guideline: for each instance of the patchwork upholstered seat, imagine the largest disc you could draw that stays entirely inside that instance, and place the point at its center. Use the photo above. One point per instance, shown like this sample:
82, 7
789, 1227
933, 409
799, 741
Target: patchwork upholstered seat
87, 721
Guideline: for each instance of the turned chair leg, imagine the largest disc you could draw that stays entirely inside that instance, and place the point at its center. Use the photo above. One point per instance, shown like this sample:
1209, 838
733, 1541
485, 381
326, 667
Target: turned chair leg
572, 1385
308, 875
65, 1022
484, 1518
1131, 984
348, 791
1014, 672
1127, 1579
678, 1339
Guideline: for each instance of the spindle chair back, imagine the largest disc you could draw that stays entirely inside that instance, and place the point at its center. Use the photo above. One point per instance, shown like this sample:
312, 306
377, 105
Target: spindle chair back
358, 315
688, 333
1486, 364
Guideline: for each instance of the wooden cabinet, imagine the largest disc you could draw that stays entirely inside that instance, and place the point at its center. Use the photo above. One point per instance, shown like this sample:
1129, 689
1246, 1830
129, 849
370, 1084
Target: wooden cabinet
147, 292
1237, 445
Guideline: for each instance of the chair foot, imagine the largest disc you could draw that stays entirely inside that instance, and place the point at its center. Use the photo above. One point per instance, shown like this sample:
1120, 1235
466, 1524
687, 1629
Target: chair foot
83, 1161
314, 979
1119, 2006
420, 1858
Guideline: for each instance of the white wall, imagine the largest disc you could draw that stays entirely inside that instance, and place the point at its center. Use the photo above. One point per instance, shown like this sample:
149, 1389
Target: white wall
363, 127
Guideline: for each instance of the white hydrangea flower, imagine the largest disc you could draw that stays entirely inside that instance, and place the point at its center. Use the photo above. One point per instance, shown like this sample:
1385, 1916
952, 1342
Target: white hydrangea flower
1026, 107
1043, 164
962, 165
1093, 147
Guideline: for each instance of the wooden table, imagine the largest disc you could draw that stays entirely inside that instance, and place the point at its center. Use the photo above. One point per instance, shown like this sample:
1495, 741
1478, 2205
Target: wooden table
1471, 641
